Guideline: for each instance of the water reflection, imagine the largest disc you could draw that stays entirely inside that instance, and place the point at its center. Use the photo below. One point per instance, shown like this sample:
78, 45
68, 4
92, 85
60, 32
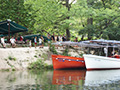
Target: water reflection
65, 77
87, 80
24, 80
97, 78
60, 80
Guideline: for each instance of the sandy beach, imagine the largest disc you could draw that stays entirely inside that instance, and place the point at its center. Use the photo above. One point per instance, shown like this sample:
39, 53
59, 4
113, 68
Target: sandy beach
19, 58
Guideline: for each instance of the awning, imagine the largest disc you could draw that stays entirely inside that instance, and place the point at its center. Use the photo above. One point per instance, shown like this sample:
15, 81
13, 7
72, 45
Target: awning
10, 27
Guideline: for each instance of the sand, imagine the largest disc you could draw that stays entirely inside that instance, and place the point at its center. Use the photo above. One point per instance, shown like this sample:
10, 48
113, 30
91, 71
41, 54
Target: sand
20, 58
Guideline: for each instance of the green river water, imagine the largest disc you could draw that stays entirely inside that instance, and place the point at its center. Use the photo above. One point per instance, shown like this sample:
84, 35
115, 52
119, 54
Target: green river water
60, 80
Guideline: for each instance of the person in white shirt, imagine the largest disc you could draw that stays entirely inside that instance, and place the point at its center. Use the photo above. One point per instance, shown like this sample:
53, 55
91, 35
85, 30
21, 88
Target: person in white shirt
41, 42
30, 43
60, 38
55, 38
12, 40
3, 42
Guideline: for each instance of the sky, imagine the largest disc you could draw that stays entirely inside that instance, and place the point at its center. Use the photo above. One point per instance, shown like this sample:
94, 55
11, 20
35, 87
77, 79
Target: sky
72, 0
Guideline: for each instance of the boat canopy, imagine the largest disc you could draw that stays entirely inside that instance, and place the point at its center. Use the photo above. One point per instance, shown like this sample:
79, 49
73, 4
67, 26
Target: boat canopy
102, 41
69, 43
92, 43
80, 44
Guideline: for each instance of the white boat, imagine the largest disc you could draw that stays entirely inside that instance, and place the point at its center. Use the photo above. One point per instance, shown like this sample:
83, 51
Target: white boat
96, 62
101, 77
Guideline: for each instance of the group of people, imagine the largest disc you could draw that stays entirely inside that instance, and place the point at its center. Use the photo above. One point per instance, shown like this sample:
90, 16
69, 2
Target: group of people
56, 38
59, 38
12, 41
53, 38
39, 40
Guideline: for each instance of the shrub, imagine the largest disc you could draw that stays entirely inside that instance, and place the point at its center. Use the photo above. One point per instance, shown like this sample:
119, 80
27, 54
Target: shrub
11, 58
52, 49
39, 64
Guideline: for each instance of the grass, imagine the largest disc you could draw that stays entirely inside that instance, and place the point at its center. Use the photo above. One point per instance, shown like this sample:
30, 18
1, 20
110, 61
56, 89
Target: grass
12, 58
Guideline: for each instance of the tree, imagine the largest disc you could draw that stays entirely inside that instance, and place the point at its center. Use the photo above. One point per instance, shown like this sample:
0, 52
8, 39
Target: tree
98, 17
16, 11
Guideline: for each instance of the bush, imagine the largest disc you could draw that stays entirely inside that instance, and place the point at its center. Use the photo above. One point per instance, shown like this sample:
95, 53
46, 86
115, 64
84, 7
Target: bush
52, 49
39, 64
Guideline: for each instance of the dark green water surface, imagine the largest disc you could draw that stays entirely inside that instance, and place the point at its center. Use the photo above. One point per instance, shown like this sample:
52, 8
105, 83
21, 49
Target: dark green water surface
60, 80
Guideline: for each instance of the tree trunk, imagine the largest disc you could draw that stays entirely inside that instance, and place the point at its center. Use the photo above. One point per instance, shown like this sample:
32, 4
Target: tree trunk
67, 29
89, 22
68, 34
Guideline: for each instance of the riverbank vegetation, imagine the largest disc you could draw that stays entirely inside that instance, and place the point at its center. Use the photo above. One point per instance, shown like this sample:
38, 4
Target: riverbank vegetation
40, 64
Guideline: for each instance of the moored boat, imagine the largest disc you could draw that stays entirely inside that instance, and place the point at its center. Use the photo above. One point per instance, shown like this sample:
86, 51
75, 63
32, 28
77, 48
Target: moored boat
94, 62
98, 62
67, 62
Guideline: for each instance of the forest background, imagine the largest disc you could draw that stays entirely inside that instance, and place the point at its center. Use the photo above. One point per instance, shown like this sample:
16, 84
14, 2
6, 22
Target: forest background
85, 19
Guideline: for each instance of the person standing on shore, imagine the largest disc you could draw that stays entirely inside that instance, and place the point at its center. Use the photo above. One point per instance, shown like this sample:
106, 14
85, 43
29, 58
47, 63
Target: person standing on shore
12, 40
21, 38
64, 38
3, 42
53, 38
30, 43
60, 38
35, 41
40, 42
48, 36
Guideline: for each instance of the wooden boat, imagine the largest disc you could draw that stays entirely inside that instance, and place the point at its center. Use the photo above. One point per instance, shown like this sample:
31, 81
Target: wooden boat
67, 62
96, 62
65, 77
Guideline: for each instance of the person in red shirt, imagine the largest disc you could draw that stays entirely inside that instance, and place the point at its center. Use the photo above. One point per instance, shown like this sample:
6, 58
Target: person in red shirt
21, 38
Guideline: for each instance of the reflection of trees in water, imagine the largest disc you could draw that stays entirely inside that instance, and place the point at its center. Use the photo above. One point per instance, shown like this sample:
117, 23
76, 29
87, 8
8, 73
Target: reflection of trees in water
23, 80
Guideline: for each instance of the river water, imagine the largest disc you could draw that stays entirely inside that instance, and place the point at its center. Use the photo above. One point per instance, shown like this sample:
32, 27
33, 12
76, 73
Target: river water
60, 80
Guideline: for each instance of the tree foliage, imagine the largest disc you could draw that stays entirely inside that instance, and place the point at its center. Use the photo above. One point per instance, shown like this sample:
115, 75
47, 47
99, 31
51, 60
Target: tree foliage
90, 19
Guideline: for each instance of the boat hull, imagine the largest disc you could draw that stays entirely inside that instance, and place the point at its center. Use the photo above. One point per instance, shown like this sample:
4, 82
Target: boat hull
94, 62
67, 62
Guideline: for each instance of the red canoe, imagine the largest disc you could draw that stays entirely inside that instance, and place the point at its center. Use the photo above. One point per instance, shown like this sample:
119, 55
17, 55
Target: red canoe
65, 77
67, 62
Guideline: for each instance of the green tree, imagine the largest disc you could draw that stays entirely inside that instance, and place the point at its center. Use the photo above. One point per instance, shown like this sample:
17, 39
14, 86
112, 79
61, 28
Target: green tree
16, 11
97, 18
